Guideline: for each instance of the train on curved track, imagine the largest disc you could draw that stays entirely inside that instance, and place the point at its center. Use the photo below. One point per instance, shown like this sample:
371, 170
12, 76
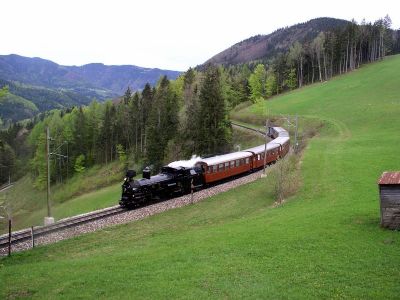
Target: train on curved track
182, 177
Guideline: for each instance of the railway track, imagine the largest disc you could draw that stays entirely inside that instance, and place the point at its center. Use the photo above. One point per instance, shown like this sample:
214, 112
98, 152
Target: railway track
249, 128
26, 234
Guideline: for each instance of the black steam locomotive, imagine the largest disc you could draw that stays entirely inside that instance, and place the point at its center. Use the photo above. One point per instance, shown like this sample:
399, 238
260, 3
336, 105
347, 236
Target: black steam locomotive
168, 183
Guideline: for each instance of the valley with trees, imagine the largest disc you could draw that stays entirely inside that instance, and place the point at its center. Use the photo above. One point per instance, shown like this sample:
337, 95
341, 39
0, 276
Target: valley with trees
336, 75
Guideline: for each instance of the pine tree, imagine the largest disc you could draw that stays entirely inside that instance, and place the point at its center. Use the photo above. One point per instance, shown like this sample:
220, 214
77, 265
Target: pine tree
163, 122
146, 105
214, 129
93, 116
191, 112
7, 161
106, 138
127, 96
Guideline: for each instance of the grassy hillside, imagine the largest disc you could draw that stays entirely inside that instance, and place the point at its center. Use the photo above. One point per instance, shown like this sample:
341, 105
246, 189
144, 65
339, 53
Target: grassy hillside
323, 243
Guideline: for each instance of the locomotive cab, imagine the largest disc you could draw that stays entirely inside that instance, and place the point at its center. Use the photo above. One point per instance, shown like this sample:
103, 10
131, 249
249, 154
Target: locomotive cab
130, 190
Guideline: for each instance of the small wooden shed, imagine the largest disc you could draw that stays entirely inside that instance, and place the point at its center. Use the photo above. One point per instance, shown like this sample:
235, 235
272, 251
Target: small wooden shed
389, 192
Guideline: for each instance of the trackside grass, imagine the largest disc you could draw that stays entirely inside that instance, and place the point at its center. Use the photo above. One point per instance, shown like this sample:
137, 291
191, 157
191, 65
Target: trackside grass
325, 242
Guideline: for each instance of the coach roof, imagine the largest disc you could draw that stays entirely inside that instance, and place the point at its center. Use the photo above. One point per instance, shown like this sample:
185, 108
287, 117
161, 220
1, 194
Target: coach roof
281, 132
224, 158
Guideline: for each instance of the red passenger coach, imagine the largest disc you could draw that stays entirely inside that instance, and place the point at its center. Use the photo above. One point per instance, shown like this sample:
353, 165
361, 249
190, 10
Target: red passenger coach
227, 165
273, 154
276, 149
223, 166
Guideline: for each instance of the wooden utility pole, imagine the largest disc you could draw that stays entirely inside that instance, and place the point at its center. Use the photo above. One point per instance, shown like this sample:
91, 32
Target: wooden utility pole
67, 160
32, 237
191, 191
48, 170
265, 148
9, 236
296, 143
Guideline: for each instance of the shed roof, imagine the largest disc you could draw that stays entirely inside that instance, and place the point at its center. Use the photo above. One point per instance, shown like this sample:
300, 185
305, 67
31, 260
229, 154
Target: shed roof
389, 178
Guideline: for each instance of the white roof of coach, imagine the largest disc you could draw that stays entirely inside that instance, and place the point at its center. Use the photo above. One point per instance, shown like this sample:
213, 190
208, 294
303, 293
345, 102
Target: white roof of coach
261, 148
219, 159
281, 132
281, 140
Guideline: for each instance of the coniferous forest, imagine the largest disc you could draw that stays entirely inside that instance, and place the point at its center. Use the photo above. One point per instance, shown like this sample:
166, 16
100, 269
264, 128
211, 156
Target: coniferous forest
190, 115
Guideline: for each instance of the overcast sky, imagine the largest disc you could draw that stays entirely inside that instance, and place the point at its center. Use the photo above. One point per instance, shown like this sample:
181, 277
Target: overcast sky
168, 34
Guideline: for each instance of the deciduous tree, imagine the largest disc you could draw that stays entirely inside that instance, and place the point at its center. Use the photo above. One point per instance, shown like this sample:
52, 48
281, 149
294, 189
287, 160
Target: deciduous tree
257, 83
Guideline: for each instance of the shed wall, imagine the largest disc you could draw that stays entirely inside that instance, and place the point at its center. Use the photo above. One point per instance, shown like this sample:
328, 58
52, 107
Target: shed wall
390, 206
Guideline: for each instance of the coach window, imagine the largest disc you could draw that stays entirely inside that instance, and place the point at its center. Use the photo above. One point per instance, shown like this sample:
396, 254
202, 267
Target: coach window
237, 163
209, 169
258, 157
247, 161
220, 167
232, 164
227, 165
214, 169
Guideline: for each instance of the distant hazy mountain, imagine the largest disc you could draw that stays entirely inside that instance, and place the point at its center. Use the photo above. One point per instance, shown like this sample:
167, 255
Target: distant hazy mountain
262, 47
48, 85
109, 79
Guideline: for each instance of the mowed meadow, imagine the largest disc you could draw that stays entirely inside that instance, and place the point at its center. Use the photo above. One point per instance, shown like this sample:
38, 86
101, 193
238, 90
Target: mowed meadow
324, 242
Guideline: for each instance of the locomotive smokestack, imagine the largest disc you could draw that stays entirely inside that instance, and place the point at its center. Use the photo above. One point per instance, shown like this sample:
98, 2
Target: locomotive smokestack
130, 174
146, 173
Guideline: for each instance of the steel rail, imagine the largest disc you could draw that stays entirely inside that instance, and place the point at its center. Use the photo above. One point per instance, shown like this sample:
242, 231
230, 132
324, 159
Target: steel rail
249, 128
26, 234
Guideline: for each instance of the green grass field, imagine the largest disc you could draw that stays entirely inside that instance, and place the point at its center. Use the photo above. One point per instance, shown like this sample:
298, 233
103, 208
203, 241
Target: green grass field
325, 242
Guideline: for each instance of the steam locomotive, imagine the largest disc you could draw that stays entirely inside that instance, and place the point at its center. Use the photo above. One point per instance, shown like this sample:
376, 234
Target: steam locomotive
179, 178
169, 183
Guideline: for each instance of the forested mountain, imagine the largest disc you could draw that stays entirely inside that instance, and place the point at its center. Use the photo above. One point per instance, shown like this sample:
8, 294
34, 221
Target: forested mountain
43, 85
302, 54
263, 47
104, 80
